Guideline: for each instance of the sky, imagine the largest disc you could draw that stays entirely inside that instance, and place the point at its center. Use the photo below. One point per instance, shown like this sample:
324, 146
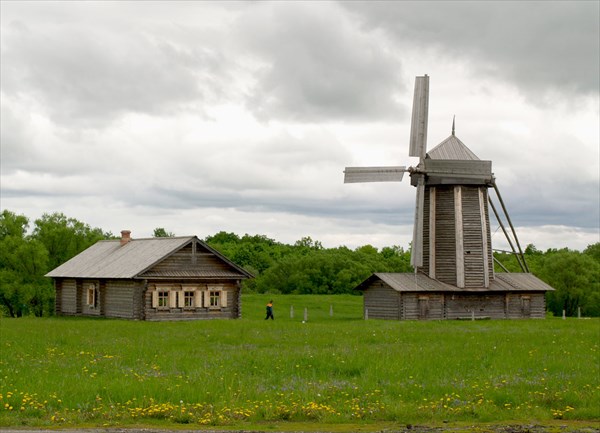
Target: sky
201, 117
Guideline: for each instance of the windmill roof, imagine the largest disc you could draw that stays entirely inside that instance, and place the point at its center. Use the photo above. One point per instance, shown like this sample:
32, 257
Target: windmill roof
452, 148
110, 259
502, 282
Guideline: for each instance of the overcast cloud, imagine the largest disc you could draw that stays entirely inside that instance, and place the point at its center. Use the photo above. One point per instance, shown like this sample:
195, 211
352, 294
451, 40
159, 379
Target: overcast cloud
208, 116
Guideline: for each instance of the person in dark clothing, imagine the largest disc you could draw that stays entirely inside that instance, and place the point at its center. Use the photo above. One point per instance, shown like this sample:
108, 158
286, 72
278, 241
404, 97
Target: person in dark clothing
270, 311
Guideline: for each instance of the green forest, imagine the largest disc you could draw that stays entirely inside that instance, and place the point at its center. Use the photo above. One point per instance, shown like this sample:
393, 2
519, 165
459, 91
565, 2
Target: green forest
29, 250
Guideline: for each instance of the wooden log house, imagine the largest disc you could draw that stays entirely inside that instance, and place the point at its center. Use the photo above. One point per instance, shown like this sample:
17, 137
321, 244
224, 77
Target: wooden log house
177, 278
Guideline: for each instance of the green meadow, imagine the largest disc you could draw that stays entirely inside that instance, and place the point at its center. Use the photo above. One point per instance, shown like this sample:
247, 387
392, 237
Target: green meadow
335, 369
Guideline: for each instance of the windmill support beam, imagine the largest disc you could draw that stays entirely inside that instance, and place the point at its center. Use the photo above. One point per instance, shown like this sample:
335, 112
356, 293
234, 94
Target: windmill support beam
512, 247
511, 226
500, 264
484, 240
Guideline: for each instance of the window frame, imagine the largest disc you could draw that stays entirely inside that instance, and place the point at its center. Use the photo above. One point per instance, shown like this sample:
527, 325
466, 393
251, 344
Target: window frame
163, 296
91, 298
189, 298
214, 295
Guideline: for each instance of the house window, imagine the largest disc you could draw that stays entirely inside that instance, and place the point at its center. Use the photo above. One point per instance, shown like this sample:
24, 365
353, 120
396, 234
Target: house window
91, 295
163, 298
215, 298
188, 299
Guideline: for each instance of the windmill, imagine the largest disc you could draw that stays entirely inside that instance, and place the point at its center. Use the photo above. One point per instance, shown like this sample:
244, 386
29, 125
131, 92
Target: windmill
451, 234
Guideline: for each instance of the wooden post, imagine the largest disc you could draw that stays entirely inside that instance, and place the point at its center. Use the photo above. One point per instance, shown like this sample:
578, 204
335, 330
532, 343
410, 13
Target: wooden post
366, 314
564, 314
459, 233
579, 312
291, 312
305, 314
330, 310
473, 315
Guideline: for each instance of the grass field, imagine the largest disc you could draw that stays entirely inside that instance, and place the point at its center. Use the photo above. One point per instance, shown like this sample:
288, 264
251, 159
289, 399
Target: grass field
335, 369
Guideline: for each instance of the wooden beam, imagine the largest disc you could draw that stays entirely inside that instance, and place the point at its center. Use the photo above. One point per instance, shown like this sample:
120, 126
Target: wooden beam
416, 256
373, 174
420, 114
432, 232
511, 227
484, 243
460, 248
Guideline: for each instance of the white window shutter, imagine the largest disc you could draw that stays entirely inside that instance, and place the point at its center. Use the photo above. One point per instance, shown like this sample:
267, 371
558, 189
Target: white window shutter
154, 299
223, 298
172, 299
197, 298
207, 298
180, 299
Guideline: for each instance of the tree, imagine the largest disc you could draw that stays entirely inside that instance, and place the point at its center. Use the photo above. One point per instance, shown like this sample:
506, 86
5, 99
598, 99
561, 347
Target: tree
65, 237
160, 232
12, 224
23, 263
575, 278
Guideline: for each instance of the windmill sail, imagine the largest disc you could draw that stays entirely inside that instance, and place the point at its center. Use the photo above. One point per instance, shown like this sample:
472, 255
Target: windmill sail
420, 113
373, 174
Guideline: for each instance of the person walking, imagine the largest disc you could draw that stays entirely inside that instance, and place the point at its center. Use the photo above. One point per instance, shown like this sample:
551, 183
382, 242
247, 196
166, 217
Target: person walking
270, 311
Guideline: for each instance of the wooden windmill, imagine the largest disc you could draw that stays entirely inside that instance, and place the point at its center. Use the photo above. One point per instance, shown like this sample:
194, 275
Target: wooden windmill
451, 246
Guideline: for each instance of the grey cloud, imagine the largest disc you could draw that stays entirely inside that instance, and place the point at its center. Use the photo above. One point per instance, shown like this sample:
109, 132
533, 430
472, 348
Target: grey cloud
92, 75
317, 66
548, 201
543, 47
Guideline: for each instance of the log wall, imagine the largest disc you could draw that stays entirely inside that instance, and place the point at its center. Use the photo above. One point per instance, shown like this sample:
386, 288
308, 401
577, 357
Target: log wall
68, 297
231, 310
417, 306
382, 302
445, 235
473, 240
465, 305
120, 299
530, 305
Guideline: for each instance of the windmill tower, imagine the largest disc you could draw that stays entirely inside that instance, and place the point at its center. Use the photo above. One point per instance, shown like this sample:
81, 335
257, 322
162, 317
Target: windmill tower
451, 247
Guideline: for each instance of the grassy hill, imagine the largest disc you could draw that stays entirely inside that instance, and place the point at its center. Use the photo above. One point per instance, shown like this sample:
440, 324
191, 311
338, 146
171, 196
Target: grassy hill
336, 369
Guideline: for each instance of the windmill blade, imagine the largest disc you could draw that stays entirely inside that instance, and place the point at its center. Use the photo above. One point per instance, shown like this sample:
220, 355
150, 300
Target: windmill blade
420, 114
416, 256
373, 174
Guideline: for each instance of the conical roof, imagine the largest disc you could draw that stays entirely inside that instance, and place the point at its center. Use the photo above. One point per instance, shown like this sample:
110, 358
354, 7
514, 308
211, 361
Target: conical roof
452, 148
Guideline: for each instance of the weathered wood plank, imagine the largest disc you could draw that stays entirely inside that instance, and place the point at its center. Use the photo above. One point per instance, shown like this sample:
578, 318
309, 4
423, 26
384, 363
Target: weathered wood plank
374, 174
460, 257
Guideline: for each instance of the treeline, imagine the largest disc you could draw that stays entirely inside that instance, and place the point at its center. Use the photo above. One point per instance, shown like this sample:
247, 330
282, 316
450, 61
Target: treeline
26, 257
305, 267
575, 276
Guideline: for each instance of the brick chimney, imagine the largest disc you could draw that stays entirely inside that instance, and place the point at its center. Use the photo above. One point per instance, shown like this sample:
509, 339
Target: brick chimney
125, 236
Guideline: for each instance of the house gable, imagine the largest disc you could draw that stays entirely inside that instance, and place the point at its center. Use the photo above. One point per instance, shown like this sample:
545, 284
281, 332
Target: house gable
194, 260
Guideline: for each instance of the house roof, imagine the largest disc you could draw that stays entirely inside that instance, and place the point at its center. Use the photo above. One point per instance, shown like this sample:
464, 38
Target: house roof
502, 282
452, 148
110, 259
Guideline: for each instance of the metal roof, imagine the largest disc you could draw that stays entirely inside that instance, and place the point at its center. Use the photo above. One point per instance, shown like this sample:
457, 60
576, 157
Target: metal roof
452, 148
110, 259
503, 282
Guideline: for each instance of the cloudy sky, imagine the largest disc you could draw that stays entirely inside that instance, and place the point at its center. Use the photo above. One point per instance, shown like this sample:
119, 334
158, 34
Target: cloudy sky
207, 116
